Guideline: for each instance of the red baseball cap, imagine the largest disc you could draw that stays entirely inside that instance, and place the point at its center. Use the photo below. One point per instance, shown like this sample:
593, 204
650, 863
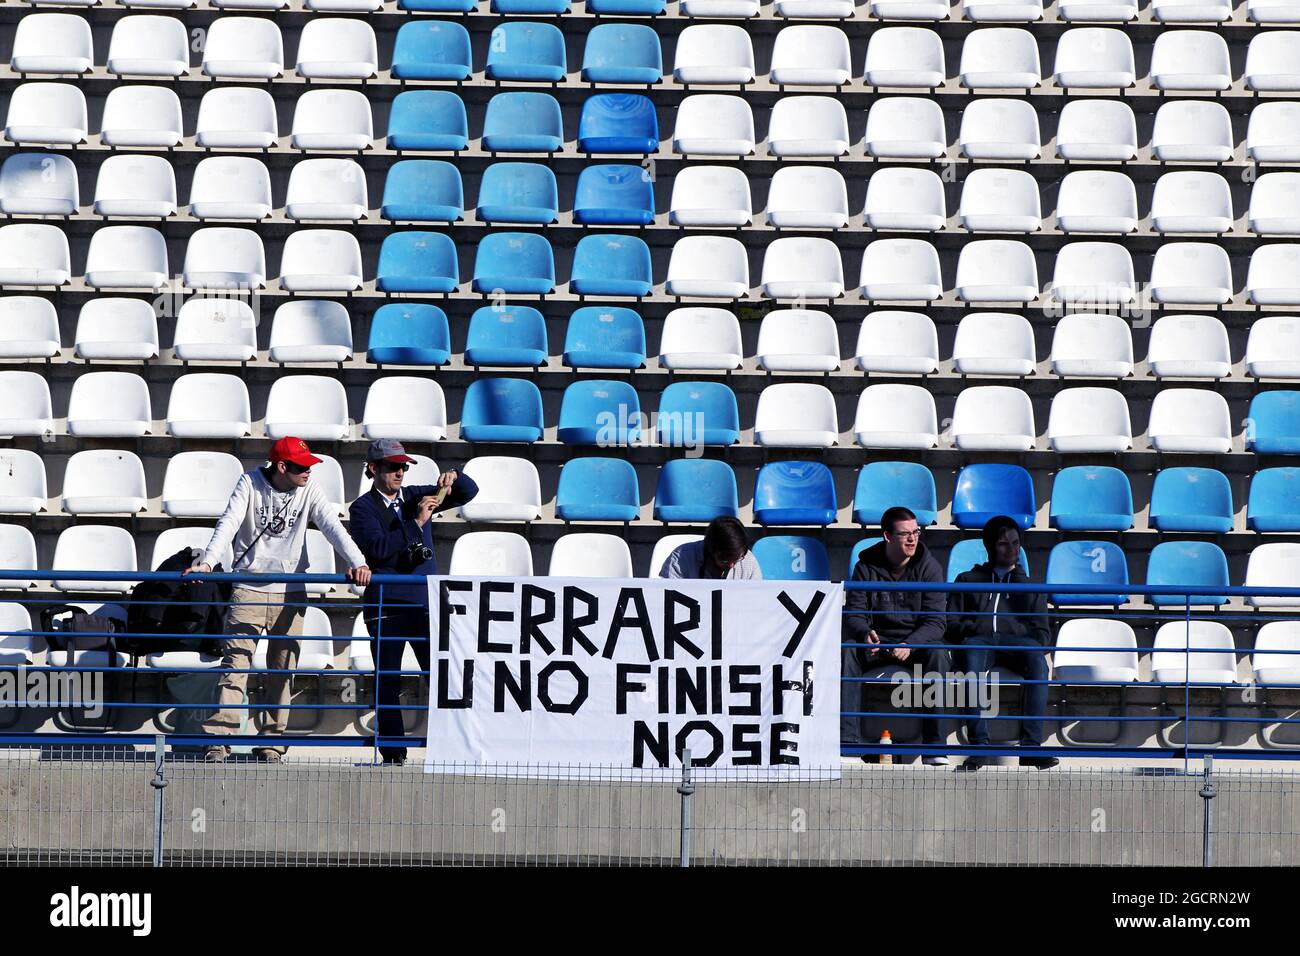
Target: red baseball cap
293, 450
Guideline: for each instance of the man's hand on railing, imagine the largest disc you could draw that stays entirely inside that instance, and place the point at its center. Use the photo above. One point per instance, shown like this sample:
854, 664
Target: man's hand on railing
200, 568
359, 575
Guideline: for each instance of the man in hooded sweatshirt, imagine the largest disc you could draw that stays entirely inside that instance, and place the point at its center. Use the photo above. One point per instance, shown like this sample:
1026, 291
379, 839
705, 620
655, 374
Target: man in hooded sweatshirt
897, 626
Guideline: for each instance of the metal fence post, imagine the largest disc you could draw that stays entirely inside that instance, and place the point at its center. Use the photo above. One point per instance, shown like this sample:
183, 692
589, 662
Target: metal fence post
686, 788
158, 782
1208, 793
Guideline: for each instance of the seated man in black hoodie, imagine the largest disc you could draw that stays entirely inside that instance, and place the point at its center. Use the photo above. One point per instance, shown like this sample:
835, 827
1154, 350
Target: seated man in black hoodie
893, 618
1011, 621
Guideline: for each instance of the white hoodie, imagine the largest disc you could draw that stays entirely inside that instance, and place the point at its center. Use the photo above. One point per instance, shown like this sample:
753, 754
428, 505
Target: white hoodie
252, 506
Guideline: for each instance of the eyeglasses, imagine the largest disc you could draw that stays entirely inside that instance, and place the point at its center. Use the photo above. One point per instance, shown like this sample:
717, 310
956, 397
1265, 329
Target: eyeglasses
293, 469
907, 535
392, 466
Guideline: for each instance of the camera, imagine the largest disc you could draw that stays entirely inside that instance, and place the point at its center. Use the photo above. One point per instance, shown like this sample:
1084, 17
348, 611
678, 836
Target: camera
417, 552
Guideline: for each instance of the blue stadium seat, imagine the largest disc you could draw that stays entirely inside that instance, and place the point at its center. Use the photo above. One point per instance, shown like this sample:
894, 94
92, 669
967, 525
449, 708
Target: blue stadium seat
438, 6
523, 123
530, 6
423, 190
634, 8
792, 557
598, 489
514, 262
1274, 502
696, 489
428, 119
502, 409
600, 412
518, 192
857, 553
1274, 423
794, 492
613, 195
1091, 498
506, 335
527, 50
696, 413
409, 333
432, 50
604, 338
417, 262
884, 484
1178, 563
964, 555
622, 53
618, 123
1191, 499
986, 491
1087, 563
611, 264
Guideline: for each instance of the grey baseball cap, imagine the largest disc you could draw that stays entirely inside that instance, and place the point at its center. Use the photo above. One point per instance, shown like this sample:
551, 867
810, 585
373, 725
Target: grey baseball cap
388, 449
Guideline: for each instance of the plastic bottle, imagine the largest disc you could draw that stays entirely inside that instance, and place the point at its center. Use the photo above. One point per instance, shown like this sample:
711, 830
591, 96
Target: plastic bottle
886, 740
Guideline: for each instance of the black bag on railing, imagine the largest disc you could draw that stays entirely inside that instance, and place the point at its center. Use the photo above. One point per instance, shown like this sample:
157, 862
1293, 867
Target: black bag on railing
185, 607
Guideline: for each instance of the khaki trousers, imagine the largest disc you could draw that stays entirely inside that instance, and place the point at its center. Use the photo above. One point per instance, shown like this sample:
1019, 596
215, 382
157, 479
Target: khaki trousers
253, 615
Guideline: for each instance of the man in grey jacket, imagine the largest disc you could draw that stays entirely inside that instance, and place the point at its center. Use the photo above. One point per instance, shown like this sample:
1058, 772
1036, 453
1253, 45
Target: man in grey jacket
724, 553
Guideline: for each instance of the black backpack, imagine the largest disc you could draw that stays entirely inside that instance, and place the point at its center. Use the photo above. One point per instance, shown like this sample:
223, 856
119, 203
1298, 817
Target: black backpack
188, 607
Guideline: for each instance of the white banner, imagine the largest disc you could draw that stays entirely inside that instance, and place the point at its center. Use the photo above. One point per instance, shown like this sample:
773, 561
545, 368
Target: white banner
576, 673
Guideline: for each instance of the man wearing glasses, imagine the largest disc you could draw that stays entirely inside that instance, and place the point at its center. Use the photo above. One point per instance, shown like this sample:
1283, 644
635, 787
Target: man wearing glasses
265, 522
392, 525
886, 620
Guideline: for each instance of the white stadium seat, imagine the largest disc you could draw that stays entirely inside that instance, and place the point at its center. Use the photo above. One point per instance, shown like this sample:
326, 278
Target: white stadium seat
1274, 566
737, 9
714, 53
996, 270
104, 481
1270, 666
1092, 344
23, 488
15, 642
219, 257
1188, 201
807, 197
1273, 11
46, 113
1190, 420
1172, 664
708, 266
1002, 11
320, 560
1275, 204
127, 257
1095, 650
508, 490
1092, 11
197, 484
1189, 346
1192, 131
900, 269
587, 555
320, 260
135, 185
1000, 58
223, 330
905, 56
34, 254
811, 55
25, 406
337, 49
1093, 273
994, 343
116, 329
92, 547
1191, 272
798, 340
710, 196
311, 407
892, 341
808, 126
1090, 421
1271, 62
665, 546
700, 338
1191, 11
999, 129
230, 187
250, 4
896, 416
332, 189
1000, 200
52, 43
1096, 200
1190, 60
993, 418
905, 127
491, 554
1094, 58
1273, 347
909, 9
714, 124
17, 553
236, 117
406, 408
244, 48
109, 405
29, 327
332, 119
209, 405
141, 116
328, 476
149, 46
1273, 276
796, 415
38, 184
802, 267
905, 198
1096, 131
311, 330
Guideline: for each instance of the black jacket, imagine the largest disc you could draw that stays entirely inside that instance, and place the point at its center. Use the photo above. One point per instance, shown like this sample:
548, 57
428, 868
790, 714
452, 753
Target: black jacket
897, 617
972, 614
188, 606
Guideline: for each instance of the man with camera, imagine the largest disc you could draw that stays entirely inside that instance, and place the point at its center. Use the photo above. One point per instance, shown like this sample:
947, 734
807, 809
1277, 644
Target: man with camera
391, 524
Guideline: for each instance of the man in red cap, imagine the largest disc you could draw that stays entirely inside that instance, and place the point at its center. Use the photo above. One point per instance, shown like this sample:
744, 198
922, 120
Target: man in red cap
265, 522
